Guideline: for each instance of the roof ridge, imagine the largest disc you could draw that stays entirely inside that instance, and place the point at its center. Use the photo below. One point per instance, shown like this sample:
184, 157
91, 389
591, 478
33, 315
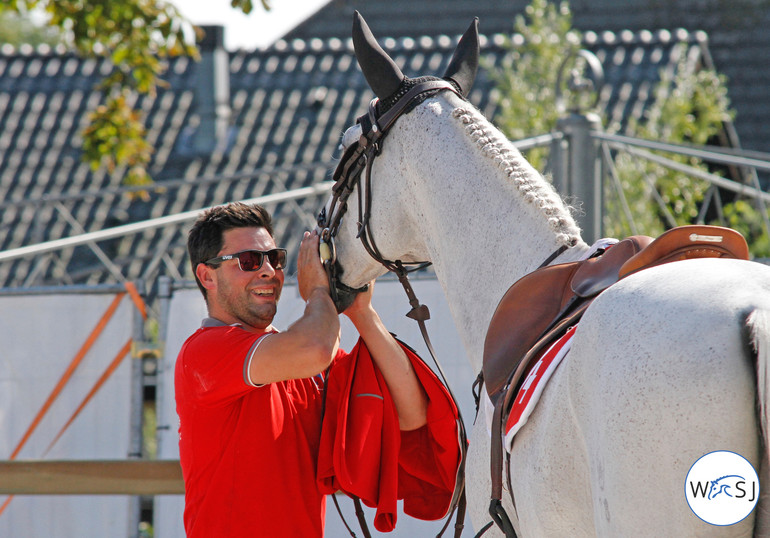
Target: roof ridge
439, 41
645, 37
42, 49
447, 42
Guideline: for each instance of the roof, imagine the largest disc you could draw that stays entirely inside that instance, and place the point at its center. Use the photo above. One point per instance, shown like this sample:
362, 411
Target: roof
289, 105
738, 38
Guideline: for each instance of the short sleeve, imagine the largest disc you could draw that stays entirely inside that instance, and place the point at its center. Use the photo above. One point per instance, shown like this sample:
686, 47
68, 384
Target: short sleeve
214, 364
247, 364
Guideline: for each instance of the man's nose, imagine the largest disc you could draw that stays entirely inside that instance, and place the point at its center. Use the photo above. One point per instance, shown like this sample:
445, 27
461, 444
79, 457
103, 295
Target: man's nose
267, 268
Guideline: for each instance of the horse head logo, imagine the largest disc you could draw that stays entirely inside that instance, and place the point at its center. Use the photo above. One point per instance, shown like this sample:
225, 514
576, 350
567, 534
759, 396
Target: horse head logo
718, 486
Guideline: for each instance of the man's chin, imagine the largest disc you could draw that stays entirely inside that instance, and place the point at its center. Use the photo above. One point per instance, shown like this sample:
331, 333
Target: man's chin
264, 315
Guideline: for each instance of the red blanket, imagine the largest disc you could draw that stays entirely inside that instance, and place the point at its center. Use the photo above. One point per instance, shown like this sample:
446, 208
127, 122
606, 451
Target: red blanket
363, 452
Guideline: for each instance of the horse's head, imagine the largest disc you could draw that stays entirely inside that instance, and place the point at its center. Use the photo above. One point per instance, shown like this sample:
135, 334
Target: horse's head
368, 229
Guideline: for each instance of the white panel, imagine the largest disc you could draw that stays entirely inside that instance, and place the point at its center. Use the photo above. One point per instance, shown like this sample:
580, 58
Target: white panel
39, 337
187, 310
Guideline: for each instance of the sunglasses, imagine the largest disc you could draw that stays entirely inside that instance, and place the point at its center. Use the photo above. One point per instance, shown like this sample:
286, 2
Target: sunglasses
252, 260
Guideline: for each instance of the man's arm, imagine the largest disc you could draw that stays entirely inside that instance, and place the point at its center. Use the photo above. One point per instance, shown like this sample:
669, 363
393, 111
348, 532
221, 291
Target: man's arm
407, 392
307, 347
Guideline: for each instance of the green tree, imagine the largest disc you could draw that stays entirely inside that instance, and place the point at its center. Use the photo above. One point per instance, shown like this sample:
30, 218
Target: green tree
690, 106
137, 36
18, 29
742, 216
527, 85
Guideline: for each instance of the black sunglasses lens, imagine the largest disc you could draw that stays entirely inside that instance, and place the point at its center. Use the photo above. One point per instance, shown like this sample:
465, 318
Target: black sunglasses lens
277, 258
250, 260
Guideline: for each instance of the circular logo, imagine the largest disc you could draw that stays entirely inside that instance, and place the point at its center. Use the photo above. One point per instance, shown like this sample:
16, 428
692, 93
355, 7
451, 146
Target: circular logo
722, 488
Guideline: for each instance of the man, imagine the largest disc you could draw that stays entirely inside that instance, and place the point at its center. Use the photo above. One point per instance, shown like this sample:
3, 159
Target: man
250, 398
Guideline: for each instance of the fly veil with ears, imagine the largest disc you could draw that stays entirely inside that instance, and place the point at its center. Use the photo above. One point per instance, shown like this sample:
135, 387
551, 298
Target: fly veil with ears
396, 95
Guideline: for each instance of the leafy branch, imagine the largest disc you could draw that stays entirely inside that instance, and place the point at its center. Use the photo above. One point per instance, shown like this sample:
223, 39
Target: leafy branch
137, 37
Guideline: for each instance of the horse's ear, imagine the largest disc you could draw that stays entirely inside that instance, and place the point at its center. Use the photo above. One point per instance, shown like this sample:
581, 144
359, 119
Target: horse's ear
465, 61
381, 72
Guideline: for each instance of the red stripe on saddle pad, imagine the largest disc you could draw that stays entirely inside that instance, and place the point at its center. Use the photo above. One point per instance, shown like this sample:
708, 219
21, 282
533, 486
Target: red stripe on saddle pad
533, 385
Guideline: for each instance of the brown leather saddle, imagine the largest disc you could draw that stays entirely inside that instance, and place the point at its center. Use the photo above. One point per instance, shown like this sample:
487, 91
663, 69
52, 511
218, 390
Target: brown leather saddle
539, 302
542, 305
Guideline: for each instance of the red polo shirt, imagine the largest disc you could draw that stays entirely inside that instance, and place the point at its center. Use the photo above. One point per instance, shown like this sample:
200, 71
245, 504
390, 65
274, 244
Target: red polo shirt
248, 453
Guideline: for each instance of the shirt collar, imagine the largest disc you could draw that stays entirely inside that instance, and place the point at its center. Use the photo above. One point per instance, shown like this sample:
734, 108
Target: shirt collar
214, 322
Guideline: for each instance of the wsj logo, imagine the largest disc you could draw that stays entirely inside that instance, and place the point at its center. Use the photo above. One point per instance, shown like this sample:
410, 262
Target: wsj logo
722, 488
729, 486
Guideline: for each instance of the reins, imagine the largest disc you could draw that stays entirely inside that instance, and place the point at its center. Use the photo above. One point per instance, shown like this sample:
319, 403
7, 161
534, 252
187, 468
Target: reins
355, 162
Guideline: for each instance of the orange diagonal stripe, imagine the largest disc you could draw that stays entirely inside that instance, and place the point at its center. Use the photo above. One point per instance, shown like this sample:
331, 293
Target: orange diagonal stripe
136, 298
68, 374
99, 382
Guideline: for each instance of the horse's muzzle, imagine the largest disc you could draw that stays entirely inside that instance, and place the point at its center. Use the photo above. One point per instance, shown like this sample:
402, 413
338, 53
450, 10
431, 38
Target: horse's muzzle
343, 295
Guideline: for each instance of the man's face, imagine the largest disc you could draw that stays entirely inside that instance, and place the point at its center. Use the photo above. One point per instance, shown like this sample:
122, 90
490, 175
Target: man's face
246, 297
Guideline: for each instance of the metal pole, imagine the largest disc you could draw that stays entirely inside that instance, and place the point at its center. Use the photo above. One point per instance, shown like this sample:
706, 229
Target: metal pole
583, 182
137, 227
558, 165
165, 364
136, 418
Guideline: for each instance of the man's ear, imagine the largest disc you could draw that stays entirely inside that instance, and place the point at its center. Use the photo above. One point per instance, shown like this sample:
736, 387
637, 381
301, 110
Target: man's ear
205, 276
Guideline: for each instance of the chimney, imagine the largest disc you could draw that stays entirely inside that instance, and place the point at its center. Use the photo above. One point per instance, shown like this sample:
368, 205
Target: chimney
212, 92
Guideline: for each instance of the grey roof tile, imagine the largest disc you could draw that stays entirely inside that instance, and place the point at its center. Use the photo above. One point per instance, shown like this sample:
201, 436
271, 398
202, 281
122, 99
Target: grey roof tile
738, 36
289, 106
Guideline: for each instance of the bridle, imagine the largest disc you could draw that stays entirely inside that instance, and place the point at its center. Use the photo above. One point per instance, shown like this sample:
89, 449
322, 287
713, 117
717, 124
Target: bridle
357, 162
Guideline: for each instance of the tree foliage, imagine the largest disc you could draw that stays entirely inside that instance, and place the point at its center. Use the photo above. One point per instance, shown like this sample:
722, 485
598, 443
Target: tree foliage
17, 29
527, 85
137, 37
690, 106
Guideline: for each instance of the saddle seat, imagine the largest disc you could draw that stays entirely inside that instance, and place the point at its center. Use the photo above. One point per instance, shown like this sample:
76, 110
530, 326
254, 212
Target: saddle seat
543, 304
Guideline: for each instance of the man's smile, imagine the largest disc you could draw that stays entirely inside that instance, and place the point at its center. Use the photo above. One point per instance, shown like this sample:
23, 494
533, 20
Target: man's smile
265, 291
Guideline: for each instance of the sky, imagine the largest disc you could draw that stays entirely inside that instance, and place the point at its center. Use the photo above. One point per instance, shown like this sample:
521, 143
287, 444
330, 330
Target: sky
259, 28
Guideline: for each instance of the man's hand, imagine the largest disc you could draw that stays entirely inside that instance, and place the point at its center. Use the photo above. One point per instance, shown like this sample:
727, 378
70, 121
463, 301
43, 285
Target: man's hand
310, 271
361, 305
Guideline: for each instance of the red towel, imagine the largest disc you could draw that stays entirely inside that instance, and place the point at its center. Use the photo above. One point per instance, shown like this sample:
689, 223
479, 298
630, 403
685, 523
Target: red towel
363, 452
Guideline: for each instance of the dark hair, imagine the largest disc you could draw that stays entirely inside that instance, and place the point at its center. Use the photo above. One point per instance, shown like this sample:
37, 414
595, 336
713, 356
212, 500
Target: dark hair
206, 236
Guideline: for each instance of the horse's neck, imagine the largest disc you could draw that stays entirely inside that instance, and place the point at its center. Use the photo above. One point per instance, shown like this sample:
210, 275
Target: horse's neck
475, 273
488, 221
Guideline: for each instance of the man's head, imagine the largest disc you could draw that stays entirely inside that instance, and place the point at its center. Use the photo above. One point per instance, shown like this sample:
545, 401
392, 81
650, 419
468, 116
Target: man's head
246, 287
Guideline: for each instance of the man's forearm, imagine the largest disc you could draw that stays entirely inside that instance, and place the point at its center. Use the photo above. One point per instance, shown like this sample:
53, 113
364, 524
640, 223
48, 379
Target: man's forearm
319, 324
407, 392
306, 348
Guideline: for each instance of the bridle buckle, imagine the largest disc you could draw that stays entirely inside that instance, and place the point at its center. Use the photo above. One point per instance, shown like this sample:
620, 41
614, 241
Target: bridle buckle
326, 248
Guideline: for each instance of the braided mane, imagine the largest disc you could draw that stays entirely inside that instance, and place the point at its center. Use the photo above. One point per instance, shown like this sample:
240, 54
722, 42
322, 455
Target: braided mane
534, 189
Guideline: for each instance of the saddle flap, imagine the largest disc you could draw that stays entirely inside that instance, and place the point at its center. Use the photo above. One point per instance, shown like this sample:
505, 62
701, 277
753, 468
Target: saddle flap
597, 274
687, 242
521, 317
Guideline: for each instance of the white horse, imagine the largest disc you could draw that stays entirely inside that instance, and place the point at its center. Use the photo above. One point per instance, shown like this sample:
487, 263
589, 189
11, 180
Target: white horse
663, 367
